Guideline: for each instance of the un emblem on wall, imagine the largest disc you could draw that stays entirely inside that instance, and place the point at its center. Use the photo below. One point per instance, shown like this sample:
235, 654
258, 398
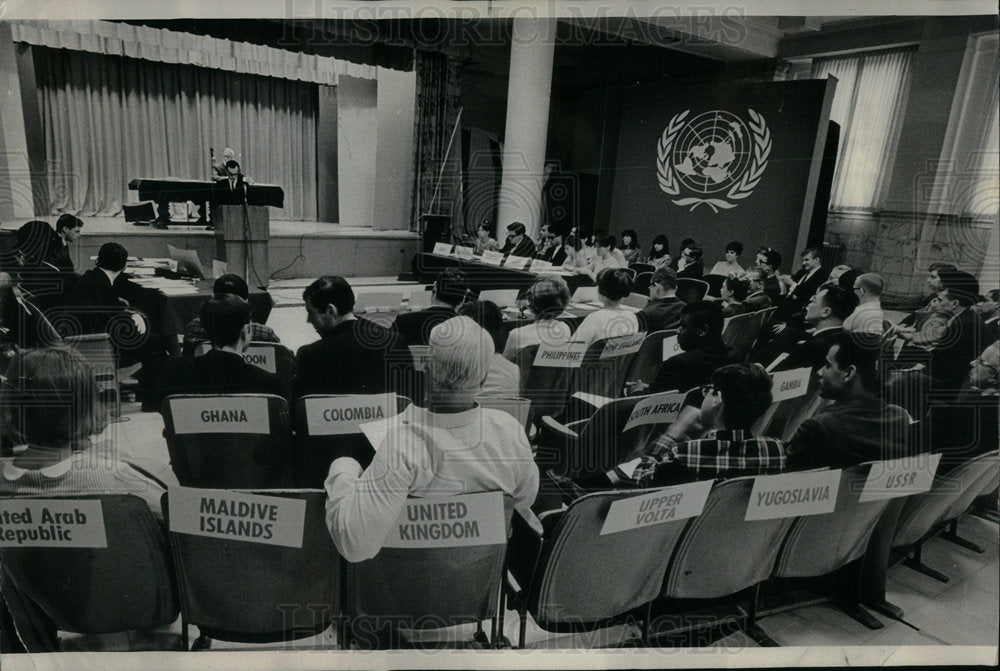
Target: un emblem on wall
715, 157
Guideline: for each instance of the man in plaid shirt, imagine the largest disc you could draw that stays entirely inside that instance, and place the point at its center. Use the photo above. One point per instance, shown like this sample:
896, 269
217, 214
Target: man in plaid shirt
194, 332
736, 398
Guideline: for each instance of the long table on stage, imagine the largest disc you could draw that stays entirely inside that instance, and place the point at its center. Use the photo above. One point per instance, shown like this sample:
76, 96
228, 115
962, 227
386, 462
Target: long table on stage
166, 190
482, 276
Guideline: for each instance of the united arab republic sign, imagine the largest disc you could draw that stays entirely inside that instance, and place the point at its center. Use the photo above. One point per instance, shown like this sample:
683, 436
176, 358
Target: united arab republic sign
712, 159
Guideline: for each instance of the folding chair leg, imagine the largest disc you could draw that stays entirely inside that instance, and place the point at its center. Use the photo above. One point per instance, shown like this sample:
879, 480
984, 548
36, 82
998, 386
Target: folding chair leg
498, 635
480, 635
914, 563
753, 629
951, 534
857, 612
184, 633
522, 627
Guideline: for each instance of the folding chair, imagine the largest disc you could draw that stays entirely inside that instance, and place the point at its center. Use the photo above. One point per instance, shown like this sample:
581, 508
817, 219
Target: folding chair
635, 300
642, 267
691, 290
642, 282
817, 545
275, 359
546, 387
784, 416
589, 447
562, 576
925, 514
715, 283
741, 331
437, 585
96, 349
128, 584
606, 364
518, 408
229, 441
632, 273
710, 561
328, 427
646, 363
251, 592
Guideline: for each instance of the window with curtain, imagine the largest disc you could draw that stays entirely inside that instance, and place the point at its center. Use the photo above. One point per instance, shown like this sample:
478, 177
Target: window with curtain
871, 91
109, 119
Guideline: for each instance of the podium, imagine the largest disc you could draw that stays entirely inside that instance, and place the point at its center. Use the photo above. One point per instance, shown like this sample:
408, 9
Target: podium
241, 236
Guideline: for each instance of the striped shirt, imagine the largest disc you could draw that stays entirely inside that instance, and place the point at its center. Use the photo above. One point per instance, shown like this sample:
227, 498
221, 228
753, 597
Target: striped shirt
721, 453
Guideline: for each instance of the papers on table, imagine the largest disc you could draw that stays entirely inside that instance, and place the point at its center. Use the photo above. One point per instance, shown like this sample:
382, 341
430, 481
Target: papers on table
167, 286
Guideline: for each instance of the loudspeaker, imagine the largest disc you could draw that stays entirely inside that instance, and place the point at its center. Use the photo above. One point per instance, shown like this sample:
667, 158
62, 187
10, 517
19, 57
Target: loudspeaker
436, 229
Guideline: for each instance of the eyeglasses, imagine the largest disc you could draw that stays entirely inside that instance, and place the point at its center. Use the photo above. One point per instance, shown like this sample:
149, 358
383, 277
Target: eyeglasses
708, 389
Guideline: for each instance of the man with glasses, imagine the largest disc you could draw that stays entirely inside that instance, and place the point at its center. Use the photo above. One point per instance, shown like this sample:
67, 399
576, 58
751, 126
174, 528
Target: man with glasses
735, 399
518, 243
756, 298
690, 264
867, 318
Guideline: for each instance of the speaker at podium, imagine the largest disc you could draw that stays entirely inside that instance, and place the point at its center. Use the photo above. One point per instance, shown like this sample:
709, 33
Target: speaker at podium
241, 237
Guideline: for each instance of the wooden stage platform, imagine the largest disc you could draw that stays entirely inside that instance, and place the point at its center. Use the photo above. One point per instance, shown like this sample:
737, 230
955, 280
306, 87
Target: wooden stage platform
297, 249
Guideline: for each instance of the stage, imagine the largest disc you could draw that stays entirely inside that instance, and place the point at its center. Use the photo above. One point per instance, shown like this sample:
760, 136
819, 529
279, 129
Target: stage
297, 249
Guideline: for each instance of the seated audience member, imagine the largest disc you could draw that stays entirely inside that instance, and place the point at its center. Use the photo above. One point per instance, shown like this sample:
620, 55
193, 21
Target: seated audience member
846, 280
800, 287
730, 266
769, 261
504, 378
965, 336
989, 310
547, 299
867, 318
221, 370
352, 355
630, 246
756, 298
50, 403
836, 272
613, 319
32, 266
700, 336
605, 257
450, 289
452, 446
574, 259
664, 308
659, 253
691, 264
736, 397
825, 315
984, 371
858, 426
518, 243
233, 285
68, 230
734, 292
552, 249
484, 241
94, 297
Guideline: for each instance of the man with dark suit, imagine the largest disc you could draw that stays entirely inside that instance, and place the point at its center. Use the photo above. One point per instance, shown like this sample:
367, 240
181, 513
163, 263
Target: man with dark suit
551, 249
664, 308
450, 289
700, 336
804, 283
94, 304
221, 370
690, 264
756, 298
353, 355
769, 261
518, 243
231, 189
825, 314
965, 336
